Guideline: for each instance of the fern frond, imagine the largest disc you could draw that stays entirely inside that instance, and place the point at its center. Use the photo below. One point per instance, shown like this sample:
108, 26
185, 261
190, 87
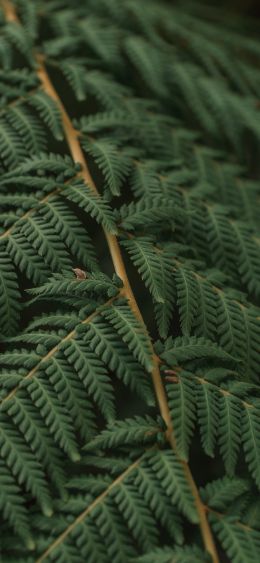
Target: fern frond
49, 113
149, 229
229, 435
137, 515
12, 508
217, 411
25, 258
149, 212
189, 348
182, 403
93, 204
28, 128
118, 357
187, 298
40, 164
26, 418
146, 59
9, 296
68, 285
156, 270
239, 543
24, 467
107, 91
221, 493
186, 554
151, 489
12, 148
114, 165
59, 216
248, 258
46, 242
152, 265
251, 441
169, 470
74, 73
18, 38
207, 405
56, 418
137, 430
71, 392
93, 375
133, 334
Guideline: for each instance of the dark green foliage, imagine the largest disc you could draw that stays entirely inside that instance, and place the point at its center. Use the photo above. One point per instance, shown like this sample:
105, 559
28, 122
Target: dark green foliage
129, 283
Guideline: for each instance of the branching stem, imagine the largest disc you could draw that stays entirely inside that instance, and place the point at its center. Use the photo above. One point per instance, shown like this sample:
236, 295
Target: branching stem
72, 138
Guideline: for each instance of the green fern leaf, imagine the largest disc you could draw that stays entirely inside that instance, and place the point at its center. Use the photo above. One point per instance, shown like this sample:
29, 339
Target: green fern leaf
68, 285
12, 148
133, 334
251, 441
9, 296
26, 417
169, 471
18, 37
229, 434
25, 258
137, 515
182, 406
239, 544
150, 488
116, 355
149, 229
74, 73
186, 554
152, 266
28, 128
71, 392
56, 418
12, 508
156, 270
93, 375
83, 196
22, 464
148, 212
138, 430
207, 405
115, 166
221, 493
187, 298
59, 216
190, 348
49, 112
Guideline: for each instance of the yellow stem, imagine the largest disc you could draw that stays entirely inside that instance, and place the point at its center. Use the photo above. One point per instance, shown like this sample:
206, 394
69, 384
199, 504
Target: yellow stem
72, 138
9, 11
71, 135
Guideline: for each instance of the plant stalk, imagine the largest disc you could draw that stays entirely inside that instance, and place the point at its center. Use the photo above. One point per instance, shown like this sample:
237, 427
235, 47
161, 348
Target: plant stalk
72, 138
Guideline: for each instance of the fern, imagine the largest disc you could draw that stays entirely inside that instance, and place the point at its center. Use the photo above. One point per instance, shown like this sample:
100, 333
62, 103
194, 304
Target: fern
115, 167
91, 203
129, 283
9, 302
48, 112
